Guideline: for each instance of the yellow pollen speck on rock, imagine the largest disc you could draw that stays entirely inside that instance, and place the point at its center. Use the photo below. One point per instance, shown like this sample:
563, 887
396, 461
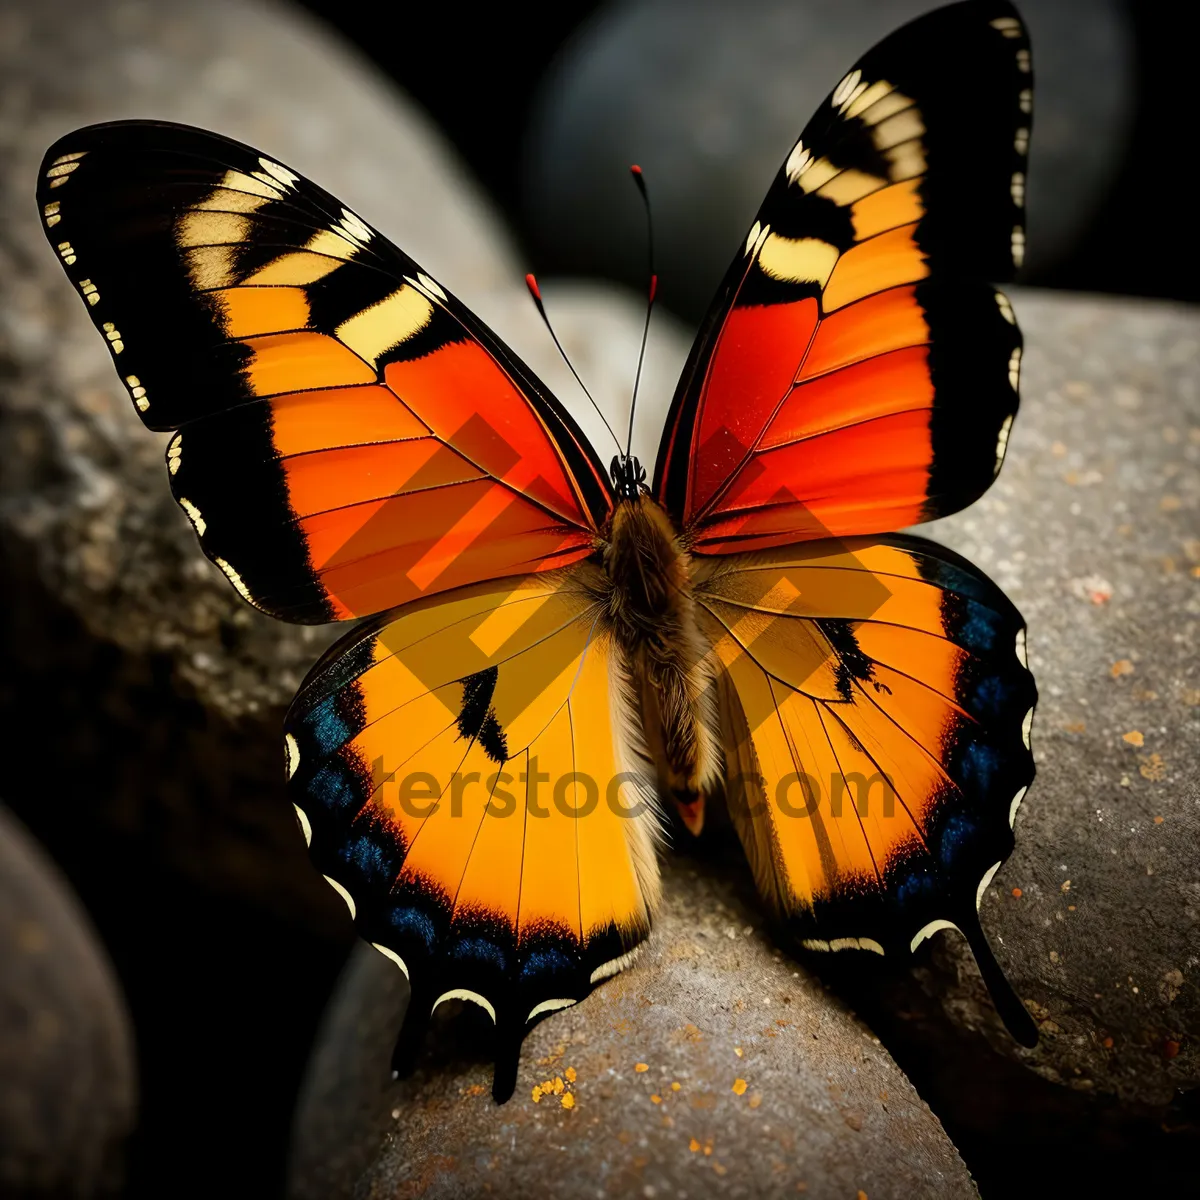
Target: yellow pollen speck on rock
641, 1068
1134, 738
739, 1087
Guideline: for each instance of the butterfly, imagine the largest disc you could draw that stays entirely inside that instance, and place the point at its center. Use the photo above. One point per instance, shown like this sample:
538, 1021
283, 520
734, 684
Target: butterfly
554, 659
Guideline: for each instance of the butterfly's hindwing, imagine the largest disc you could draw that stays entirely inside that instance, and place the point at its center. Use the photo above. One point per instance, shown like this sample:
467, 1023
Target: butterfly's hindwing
458, 774
876, 713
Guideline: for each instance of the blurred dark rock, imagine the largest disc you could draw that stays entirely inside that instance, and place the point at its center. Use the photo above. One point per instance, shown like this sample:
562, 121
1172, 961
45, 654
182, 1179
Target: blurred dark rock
709, 97
1093, 530
714, 1067
68, 1083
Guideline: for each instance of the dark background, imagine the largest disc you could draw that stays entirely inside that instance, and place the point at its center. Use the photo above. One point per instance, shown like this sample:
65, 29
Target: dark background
480, 86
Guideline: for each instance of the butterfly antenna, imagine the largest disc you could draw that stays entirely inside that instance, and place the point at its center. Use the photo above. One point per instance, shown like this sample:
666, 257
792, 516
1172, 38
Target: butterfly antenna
532, 284
640, 180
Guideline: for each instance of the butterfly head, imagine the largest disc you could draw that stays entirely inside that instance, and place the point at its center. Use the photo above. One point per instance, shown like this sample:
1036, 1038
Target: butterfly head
628, 476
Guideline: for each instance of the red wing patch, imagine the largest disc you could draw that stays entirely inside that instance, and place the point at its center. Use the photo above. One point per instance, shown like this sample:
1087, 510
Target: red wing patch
350, 437
857, 373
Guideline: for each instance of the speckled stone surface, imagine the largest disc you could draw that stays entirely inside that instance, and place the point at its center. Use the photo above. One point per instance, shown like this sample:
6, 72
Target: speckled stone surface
68, 1081
714, 1067
1093, 529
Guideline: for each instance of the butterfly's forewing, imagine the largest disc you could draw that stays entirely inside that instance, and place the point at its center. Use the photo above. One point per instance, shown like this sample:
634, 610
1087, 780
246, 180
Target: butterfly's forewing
457, 772
350, 436
857, 373
350, 439
876, 708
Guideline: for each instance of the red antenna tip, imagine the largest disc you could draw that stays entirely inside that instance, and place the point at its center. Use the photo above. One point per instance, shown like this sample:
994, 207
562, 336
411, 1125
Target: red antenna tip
635, 169
532, 285
653, 287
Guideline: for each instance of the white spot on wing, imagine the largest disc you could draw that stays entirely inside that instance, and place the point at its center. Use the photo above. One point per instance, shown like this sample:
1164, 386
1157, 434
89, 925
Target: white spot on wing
305, 827
292, 750
355, 228
844, 943
137, 392
175, 453
88, 288
1025, 100
613, 966
62, 168
1021, 141
1018, 245
843, 93
1022, 650
1002, 441
387, 952
286, 177
464, 994
193, 515
798, 162
1016, 803
432, 286
1014, 368
1006, 308
1023, 60
983, 884
237, 581
1026, 729
345, 895
1017, 188
1009, 26
930, 929
548, 1006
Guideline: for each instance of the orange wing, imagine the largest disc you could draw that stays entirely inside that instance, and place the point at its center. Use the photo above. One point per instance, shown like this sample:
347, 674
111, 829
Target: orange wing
855, 373
350, 436
458, 772
876, 708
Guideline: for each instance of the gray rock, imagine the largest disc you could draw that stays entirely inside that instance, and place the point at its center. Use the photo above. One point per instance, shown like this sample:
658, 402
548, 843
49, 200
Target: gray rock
68, 1082
709, 98
713, 1067
1093, 530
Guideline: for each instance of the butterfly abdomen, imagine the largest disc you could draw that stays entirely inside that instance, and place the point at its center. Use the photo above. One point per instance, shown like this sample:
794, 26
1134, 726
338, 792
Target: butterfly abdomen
653, 622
